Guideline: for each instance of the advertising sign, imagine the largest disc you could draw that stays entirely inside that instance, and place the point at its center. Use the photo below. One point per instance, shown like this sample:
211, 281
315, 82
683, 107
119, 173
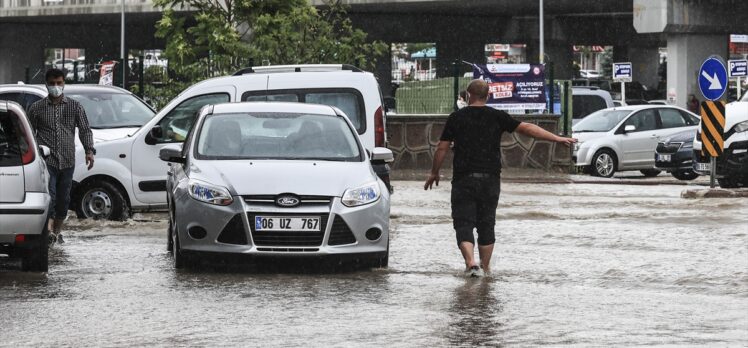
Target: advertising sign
106, 73
515, 88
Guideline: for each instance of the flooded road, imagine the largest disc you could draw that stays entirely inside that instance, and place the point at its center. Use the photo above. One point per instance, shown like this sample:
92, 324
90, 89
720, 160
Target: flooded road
575, 264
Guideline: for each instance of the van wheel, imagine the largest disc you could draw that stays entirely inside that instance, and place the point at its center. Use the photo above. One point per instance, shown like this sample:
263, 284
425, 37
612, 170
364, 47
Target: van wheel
603, 163
650, 173
101, 200
727, 182
36, 259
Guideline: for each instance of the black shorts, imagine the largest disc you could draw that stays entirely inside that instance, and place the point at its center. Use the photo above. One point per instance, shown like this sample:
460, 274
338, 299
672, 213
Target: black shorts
474, 202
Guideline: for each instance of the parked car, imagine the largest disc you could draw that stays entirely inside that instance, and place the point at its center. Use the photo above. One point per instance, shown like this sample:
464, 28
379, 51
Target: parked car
24, 193
129, 174
113, 113
625, 138
675, 155
732, 166
588, 99
276, 179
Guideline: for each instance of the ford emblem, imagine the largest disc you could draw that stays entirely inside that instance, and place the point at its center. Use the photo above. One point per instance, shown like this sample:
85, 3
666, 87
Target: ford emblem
287, 201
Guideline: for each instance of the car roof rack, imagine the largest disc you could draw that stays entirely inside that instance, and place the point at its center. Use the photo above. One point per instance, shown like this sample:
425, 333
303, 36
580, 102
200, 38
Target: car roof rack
270, 69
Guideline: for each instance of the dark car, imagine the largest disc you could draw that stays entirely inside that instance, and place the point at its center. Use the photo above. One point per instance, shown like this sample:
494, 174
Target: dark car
675, 155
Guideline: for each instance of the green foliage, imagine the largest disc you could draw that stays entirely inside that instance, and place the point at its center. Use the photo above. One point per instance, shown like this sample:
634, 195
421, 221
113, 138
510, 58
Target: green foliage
221, 37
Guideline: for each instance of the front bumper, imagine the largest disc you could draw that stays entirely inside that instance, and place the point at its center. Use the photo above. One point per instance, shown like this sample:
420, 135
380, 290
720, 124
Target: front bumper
679, 160
27, 218
230, 229
732, 163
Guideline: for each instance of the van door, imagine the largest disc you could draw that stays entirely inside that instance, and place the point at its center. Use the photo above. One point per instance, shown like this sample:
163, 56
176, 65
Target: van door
14, 150
148, 171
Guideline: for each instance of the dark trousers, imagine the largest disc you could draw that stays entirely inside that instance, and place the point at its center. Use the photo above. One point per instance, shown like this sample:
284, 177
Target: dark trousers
60, 182
474, 202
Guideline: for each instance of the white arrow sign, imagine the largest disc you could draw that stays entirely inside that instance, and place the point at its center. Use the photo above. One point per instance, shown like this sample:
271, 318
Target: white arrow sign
713, 80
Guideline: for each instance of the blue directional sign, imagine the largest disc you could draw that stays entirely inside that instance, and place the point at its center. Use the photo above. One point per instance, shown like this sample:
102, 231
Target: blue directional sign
738, 67
622, 72
712, 78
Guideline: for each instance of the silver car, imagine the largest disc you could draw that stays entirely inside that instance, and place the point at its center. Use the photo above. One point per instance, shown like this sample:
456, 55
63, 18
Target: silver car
24, 192
276, 179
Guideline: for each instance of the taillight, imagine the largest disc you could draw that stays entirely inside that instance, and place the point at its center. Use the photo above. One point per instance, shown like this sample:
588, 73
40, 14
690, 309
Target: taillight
379, 128
20, 238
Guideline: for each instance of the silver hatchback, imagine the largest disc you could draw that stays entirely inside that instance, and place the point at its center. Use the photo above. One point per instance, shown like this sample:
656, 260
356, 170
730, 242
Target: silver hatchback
24, 192
276, 179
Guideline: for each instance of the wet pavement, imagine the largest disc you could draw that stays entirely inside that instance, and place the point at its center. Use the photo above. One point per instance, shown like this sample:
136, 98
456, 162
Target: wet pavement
575, 264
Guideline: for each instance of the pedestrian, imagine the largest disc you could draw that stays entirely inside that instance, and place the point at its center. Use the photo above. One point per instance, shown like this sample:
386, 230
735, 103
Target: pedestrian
476, 132
54, 120
693, 104
462, 100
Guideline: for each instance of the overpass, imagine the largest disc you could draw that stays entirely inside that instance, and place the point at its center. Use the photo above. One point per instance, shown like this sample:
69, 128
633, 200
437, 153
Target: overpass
690, 29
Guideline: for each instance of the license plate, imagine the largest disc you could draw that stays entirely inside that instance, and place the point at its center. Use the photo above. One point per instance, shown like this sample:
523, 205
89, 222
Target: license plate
664, 158
287, 223
704, 167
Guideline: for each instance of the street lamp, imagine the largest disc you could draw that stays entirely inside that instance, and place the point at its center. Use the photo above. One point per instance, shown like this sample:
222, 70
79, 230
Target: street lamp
542, 34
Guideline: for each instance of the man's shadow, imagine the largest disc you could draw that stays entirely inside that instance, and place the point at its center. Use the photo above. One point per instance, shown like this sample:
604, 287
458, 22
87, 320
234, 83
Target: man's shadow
475, 314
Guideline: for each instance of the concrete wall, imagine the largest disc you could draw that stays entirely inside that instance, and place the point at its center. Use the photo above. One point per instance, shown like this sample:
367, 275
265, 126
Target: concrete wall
413, 140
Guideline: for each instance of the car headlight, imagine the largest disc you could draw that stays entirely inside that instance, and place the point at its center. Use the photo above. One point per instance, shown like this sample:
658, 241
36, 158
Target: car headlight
577, 146
211, 194
686, 145
361, 195
741, 127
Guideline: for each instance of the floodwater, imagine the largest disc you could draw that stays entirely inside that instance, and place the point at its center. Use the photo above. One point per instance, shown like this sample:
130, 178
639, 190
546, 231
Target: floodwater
575, 264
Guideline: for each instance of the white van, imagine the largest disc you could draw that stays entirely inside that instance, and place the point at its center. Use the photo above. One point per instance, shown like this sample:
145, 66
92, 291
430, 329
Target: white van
129, 175
732, 166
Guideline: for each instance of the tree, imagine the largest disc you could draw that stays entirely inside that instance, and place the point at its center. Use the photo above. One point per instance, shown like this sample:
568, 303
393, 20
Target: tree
220, 37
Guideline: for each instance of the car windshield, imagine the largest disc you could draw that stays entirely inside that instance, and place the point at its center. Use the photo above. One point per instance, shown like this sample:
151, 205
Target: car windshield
283, 136
112, 110
601, 121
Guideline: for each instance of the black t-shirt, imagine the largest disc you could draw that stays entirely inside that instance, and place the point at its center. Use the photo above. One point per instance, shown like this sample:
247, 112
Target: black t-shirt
476, 132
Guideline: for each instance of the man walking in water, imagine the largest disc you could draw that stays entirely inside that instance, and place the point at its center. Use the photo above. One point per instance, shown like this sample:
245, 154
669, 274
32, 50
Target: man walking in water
54, 120
476, 133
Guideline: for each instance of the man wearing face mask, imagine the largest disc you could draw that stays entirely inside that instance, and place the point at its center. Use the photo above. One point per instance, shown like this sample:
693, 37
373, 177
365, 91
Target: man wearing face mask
54, 120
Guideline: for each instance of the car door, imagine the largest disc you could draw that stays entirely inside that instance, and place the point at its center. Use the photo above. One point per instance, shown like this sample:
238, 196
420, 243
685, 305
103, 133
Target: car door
148, 170
638, 146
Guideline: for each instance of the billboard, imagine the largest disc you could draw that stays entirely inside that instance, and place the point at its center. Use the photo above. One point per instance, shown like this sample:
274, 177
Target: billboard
515, 88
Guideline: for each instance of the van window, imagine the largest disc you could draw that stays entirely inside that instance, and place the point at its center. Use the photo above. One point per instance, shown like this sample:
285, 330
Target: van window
348, 100
12, 142
177, 123
583, 105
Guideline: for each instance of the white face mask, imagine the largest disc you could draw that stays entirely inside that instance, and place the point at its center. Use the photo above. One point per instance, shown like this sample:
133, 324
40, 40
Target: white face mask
461, 104
55, 91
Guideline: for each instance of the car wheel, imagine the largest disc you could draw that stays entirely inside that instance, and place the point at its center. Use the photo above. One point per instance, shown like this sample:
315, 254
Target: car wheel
727, 182
101, 200
604, 164
685, 174
181, 260
382, 260
36, 259
650, 173
169, 240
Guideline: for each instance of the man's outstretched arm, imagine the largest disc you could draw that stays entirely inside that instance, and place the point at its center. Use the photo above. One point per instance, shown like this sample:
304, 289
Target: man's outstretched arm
441, 152
536, 132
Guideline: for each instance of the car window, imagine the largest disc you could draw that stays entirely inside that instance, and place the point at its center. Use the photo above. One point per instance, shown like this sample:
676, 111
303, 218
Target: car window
644, 120
277, 135
671, 118
273, 98
177, 123
106, 110
346, 102
690, 119
13, 96
30, 99
12, 141
583, 105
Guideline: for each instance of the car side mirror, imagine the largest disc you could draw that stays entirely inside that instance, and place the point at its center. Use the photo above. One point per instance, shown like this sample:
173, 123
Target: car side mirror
45, 151
152, 137
172, 153
629, 128
382, 155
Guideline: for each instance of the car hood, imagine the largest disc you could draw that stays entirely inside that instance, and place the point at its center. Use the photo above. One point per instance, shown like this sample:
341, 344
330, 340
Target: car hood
112, 134
271, 177
735, 113
587, 136
682, 137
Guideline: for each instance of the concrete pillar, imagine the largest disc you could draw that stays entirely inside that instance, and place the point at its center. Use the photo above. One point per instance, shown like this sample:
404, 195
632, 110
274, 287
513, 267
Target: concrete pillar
563, 59
645, 61
685, 53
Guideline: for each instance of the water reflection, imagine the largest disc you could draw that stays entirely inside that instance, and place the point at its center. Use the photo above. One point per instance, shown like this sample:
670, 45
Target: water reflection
475, 311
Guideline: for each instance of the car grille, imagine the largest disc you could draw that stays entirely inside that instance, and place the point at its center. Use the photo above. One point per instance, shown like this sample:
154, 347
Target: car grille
234, 232
668, 148
340, 233
288, 238
305, 201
